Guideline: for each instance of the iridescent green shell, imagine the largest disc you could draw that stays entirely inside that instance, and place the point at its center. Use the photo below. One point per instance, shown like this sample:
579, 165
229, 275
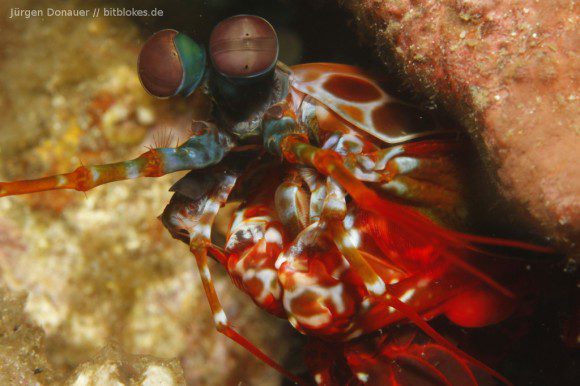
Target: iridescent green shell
171, 63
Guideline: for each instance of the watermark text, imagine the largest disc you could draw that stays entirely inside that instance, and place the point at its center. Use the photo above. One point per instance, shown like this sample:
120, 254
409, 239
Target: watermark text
28, 13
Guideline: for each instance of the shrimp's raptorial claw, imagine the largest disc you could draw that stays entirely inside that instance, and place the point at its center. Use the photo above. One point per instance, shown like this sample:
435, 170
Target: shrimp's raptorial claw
191, 221
297, 149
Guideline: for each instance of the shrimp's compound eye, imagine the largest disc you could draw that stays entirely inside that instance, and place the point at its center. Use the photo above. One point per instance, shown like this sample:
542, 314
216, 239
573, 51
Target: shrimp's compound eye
171, 63
243, 46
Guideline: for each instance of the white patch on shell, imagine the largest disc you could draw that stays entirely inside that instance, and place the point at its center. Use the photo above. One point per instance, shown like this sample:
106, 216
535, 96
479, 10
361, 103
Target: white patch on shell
205, 273
315, 321
333, 207
287, 201
60, 180
203, 229
306, 284
351, 239
363, 377
355, 334
365, 176
407, 295
220, 318
247, 232
349, 220
395, 186
132, 170
281, 259
318, 378
212, 206
269, 280
355, 237
322, 114
239, 216
331, 141
307, 109
317, 202
394, 280
423, 283
365, 162
386, 155
406, 164
273, 236
95, 173
366, 304
349, 144
377, 287
195, 227
310, 236
294, 322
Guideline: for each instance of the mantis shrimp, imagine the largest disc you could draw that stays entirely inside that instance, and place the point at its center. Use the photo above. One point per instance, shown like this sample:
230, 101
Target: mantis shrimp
346, 194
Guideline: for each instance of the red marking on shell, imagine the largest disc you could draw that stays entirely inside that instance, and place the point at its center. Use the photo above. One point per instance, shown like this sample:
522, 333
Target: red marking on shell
394, 119
310, 76
385, 125
300, 71
307, 304
256, 211
353, 111
351, 88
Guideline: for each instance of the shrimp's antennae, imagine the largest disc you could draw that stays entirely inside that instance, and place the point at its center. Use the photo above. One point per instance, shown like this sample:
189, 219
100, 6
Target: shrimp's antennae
206, 148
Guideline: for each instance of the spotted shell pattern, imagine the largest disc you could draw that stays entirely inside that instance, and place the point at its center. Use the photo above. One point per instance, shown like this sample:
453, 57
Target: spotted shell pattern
358, 99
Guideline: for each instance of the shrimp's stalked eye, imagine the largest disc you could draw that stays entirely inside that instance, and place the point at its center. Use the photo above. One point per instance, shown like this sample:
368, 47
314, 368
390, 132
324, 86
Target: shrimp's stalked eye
243, 46
171, 63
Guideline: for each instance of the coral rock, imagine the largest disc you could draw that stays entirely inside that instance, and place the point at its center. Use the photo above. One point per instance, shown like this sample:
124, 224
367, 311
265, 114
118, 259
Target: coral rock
508, 71
113, 367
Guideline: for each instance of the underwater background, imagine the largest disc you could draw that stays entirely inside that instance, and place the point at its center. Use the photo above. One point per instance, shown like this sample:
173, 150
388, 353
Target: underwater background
93, 285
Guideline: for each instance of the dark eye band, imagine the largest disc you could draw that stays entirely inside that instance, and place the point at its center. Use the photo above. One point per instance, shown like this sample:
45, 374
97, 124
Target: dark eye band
243, 46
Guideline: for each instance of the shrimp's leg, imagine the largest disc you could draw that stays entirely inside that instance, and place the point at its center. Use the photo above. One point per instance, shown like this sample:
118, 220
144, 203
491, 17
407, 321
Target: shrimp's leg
191, 221
206, 148
377, 289
332, 216
199, 250
283, 135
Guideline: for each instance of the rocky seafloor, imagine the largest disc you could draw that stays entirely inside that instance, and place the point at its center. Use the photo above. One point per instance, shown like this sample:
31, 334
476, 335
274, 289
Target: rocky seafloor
94, 290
